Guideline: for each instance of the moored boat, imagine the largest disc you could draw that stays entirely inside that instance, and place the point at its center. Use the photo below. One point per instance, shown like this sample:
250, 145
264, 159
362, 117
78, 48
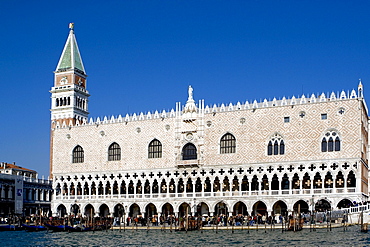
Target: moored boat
55, 228
34, 228
7, 227
67, 228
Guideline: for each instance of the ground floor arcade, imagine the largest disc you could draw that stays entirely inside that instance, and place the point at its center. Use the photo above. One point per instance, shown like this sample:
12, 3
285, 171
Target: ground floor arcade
196, 207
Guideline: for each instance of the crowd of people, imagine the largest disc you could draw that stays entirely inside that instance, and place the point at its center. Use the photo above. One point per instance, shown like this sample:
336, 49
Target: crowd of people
205, 220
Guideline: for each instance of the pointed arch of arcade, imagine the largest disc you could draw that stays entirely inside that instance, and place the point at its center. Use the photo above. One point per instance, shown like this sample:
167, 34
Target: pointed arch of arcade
259, 208
75, 209
344, 203
301, 206
89, 210
202, 209
104, 210
240, 208
221, 208
61, 210
322, 205
134, 210
150, 210
279, 207
167, 209
183, 208
119, 210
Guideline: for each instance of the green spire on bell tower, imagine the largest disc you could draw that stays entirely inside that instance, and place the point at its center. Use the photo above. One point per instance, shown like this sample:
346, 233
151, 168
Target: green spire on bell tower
70, 58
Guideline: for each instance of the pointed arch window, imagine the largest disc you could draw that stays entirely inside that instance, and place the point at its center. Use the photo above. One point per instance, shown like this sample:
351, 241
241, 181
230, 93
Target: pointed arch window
269, 148
114, 152
276, 145
282, 147
330, 142
189, 152
155, 149
78, 155
337, 144
227, 144
330, 145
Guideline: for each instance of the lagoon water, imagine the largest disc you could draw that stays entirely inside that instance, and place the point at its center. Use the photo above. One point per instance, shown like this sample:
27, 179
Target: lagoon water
321, 237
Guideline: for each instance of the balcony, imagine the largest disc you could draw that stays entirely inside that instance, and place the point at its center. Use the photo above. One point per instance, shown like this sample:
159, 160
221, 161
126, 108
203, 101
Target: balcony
218, 194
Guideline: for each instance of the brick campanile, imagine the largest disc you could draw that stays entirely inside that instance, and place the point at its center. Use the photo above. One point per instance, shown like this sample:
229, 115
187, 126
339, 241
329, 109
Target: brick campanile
69, 97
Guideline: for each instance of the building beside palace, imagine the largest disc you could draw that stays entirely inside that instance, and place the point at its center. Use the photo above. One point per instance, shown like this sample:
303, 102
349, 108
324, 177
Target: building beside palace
22, 192
269, 157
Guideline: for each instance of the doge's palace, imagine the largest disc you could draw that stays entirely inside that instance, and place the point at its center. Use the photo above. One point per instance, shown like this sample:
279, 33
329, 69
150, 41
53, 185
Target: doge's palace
247, 158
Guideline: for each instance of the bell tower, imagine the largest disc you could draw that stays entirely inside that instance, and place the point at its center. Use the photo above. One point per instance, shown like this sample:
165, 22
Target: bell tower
69, 97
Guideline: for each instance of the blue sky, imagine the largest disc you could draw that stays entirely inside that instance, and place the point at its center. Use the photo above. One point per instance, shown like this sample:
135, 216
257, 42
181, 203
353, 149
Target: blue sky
142, 55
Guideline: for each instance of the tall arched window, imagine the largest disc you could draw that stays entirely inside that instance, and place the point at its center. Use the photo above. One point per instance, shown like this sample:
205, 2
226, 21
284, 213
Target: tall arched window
114, 152
189, 152
78, 155
330, 142
276, 145
227, 144
337, 144
155, 149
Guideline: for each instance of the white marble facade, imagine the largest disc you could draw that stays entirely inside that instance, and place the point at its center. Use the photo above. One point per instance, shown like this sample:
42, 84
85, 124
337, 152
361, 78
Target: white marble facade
250, 157
243, 173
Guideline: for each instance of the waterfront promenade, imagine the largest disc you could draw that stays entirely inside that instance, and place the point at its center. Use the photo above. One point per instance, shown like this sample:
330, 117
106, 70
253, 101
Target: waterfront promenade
260, 227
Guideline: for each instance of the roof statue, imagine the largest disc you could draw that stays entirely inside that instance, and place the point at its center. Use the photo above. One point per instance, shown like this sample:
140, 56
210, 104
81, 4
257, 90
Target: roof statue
190, 92
190, 110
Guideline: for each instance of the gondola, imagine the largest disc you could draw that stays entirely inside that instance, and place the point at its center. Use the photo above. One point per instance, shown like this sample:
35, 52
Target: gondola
7, 227
55, 228
67, 228
34, 228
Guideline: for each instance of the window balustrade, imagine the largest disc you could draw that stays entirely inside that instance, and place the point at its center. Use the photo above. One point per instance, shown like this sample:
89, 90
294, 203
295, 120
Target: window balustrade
201, 194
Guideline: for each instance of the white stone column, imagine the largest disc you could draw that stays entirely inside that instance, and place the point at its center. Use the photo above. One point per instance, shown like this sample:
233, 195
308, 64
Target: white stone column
259, 185
69, 192
111, 189
334, 183
82, 191
194, 184
212, 187
90, 190
240, 181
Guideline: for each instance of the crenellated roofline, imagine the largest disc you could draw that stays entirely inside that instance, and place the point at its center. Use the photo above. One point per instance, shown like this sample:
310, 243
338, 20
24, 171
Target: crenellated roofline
215, 108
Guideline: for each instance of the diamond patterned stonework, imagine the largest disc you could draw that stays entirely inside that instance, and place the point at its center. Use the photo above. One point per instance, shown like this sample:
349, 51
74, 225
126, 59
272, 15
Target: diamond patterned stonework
267, 158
